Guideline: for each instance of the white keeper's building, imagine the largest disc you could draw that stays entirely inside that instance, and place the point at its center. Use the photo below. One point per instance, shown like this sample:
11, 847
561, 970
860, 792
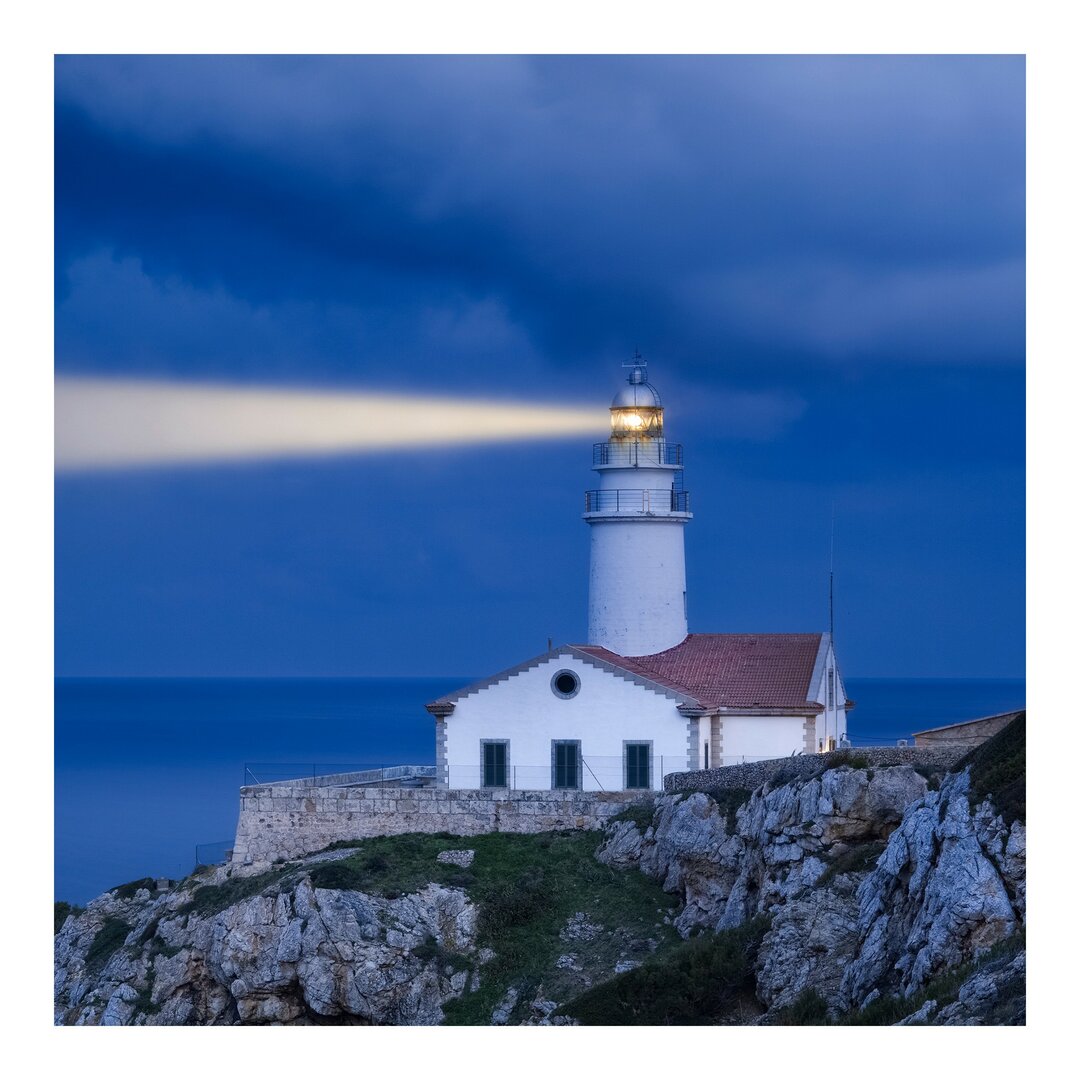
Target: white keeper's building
644, 697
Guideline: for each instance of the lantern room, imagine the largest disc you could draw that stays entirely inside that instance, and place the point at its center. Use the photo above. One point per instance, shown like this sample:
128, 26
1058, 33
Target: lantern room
636, 412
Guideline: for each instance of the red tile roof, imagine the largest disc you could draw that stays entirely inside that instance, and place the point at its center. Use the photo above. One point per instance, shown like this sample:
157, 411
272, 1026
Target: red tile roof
737, 671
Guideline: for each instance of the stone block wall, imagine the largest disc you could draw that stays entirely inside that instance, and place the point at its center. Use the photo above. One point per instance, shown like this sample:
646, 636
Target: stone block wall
755, 773
287, 820
970, 734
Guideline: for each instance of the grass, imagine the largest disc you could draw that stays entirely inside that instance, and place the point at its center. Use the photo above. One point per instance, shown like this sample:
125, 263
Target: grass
61, 910
106, 941
856, 860
999, 771
697, 982
527, 887
392, 866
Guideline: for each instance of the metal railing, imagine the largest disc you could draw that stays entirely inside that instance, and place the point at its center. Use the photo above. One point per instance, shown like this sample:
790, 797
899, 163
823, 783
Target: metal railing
337, 774
637, 500
631, 452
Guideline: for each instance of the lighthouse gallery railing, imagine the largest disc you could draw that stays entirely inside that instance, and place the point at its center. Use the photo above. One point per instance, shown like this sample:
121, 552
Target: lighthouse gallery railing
637, 500
637, 452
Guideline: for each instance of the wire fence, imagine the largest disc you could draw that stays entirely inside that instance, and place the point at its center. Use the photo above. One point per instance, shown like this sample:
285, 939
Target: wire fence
213, 854
586, 773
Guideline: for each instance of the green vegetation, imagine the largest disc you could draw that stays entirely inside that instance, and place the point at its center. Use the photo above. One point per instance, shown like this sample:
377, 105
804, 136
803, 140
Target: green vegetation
144, 1003
807, 1010
999, 771
391, 866
640, 813
932, 778
730, 800
210, 899
697, 982
856, 860
129, 889
846, 757
61, 910
106, 941
432, 950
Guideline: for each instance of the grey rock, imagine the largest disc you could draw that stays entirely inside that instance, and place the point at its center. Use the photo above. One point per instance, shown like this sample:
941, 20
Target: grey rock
626, 965
501, 1015
464, 859
281, 957
578, 928
920, 1016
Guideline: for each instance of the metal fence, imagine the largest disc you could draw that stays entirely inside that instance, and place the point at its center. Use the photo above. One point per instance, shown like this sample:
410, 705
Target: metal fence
336, 774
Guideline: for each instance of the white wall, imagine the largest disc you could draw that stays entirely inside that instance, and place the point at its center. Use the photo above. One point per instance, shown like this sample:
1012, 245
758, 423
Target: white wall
605, 712
756, 737
637, 585
832, 723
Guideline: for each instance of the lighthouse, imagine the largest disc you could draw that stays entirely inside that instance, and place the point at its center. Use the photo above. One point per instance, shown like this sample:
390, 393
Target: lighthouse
642, 698
636, 516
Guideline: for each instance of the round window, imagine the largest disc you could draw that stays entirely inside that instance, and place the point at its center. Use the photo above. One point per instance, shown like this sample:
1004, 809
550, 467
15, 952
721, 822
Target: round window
565, 683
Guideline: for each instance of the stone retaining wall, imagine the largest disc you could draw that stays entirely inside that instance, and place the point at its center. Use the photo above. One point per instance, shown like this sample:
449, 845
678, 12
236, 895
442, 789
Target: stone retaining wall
755, 773
284, 820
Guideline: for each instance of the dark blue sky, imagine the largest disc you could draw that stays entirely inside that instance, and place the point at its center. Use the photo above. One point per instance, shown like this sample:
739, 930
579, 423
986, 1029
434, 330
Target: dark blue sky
822, 258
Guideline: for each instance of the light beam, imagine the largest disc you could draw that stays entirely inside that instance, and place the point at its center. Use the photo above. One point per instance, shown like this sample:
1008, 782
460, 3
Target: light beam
106, 423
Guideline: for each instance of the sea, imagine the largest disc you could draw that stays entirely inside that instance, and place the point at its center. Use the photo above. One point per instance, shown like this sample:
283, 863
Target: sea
148, 770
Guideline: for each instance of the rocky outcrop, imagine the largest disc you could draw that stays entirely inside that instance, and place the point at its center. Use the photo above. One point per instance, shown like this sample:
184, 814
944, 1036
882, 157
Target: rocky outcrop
873, 882
293, 954
949, 884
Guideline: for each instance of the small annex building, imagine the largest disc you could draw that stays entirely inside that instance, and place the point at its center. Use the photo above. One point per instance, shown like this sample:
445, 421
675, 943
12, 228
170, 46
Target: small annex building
644, 697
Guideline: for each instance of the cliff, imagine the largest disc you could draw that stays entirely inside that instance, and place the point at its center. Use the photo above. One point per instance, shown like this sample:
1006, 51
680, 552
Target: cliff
865, 895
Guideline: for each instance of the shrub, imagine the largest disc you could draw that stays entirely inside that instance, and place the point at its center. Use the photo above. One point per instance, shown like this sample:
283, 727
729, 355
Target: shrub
128, 890
851, 760
506, 904
337, 875
430, 949
999, 770
106, 941
694, 984
61, 910
640, 813
808, 1009
856, 860
932, 778
211, 899
730, 801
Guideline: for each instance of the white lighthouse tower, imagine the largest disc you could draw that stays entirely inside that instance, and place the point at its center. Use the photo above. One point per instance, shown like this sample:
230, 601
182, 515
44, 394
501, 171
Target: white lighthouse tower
637, 571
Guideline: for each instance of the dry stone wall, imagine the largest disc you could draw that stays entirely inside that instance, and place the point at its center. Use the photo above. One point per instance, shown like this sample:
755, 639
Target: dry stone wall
754, 773
285, 821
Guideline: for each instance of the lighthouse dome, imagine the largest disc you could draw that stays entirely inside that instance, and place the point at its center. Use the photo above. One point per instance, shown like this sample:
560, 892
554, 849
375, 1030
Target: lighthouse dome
639, 395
